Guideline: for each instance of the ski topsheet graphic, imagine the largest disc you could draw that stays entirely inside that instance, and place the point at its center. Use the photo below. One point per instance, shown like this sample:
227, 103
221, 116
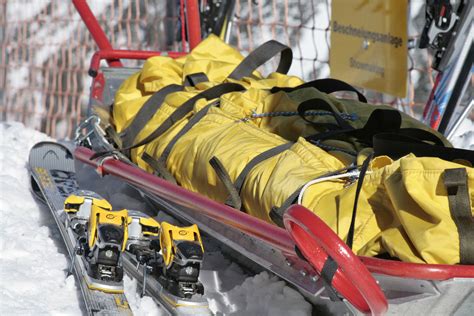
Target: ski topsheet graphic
53, 177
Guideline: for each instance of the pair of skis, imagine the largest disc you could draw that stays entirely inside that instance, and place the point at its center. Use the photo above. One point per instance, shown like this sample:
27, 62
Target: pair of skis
103, 244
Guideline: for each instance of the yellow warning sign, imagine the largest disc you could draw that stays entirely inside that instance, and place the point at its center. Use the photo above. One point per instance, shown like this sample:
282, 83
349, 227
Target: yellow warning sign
369, 44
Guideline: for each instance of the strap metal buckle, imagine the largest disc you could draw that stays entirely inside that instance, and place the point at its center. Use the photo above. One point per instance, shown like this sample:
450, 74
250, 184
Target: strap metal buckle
89, 131
100, 162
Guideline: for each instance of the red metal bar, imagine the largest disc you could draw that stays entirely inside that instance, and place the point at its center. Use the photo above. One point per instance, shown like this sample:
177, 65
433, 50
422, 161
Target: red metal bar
94, 28
184, 24
421, 271
318, 243
193, 23
125, 54
269, 233
275, 236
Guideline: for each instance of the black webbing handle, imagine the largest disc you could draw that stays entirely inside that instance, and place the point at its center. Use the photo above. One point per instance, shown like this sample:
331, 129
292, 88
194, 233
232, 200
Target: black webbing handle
187, 107
397, 145
146, 112
327, 85
260, 56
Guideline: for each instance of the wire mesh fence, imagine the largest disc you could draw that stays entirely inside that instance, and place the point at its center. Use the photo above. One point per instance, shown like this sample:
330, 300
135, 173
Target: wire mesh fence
46, 49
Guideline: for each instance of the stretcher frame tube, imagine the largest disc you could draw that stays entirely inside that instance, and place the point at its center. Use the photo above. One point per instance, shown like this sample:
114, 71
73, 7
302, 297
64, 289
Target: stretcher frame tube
271, 234
125, 54
193, 23
95, 29
420, 271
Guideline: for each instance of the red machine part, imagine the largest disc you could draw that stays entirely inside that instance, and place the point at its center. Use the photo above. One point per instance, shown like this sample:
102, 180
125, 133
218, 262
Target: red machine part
318, 242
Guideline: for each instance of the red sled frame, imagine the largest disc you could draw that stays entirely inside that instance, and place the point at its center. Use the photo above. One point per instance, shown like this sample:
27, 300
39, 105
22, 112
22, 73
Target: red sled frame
312, 236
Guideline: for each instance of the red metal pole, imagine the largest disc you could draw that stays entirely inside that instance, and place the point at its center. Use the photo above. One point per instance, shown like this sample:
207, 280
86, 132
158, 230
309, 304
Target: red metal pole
418, 270
184, 25
193, 23
94, 28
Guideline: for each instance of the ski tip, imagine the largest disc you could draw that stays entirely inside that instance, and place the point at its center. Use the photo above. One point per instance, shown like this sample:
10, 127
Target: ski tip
48, 154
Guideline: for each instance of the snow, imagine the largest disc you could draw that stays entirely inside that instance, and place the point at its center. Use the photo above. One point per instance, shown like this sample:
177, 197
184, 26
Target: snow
33, 261
144, 306
229, 292
464, 136
16, 9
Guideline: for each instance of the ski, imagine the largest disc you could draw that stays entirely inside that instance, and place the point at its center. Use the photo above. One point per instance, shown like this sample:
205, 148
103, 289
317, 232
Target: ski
104, 243
53, 179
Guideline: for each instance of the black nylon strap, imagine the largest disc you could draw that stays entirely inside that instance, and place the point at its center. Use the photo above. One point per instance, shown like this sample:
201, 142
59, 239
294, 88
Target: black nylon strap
261, 55
239, 182
327, 85
112, 133
146, 112
327, 274
421, 134
159, 167
455, 181
187, 107
379, 121
276, 213
398, 145
234, 199
363, 170
194, 79
329, 269
193, 121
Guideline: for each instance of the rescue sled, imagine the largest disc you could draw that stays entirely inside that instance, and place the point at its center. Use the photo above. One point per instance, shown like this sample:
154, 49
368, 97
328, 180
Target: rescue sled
307, 253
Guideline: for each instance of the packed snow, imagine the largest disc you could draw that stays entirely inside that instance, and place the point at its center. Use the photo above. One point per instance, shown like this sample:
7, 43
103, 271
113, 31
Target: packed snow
34, 265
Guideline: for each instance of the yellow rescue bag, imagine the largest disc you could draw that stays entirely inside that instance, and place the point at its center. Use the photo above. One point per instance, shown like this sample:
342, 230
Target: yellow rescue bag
214, 125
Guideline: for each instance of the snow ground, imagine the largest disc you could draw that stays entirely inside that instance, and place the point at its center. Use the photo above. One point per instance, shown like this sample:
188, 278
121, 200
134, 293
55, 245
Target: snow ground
33, 262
